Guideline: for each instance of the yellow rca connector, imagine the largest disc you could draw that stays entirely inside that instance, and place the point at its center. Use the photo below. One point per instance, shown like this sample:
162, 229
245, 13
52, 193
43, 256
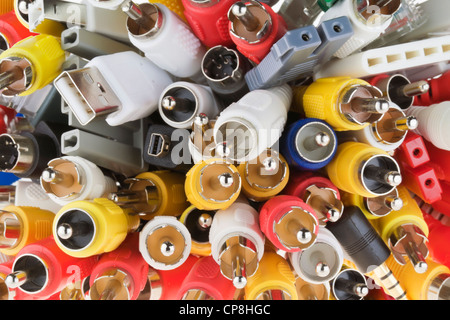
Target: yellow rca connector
374, 208
156, 193
6, 6
406, 232
198, 222
175, 6
364, 170
50, 27
30, 65
434, 284
273, 280
344, 103
20, 226
213, 184
87, 228
264, 177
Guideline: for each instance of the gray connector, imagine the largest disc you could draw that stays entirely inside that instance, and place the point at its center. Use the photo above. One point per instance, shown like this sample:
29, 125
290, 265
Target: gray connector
89, 45
113, 155
298, 52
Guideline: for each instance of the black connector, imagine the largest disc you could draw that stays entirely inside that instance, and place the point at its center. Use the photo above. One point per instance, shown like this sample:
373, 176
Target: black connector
165, 148
28, 153
224, 70
366, 249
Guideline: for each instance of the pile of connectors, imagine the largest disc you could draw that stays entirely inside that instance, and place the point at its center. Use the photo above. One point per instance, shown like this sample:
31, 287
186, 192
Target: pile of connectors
224, 150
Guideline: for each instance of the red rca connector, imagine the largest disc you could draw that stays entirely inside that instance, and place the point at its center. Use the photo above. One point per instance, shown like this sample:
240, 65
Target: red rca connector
318, 192
12, 30
206, 282
254, 28
208, 20
438, 240
165, 284
289, 223
120, 274
437, 93
41, 269
418, 173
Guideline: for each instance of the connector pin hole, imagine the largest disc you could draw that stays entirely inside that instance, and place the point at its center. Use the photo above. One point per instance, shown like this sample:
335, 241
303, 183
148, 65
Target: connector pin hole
417, 153
337, 28
306, 37
429, 183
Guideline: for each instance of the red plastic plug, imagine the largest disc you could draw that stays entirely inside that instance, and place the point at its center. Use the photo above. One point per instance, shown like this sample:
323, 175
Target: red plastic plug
254, 37
205, 280
120, 274
289, 223
439, 160
418, 173
318, 192
41, 270
437, 93
12, 30
412, 151
169, 280
423, 182
438, 240
7, 116
209, 21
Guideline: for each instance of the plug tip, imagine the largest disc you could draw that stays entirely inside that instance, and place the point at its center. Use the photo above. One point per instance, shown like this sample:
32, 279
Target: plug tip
322, 139
421, 267
361, 290
201, 120
226, 180
15, 279
333, 214
65, 231
322, 269
239, 282
270, 164
167, 248
205, 220
395, 204
304, 236
393, 178
49, 175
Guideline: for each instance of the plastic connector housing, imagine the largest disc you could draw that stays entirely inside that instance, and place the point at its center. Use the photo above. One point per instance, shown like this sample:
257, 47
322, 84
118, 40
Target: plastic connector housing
390, 59
205, 279
89, 45
11, 30
437, 93
107, 153
167, 147
298, 53
125, 259
52, 266
255, 51
173, 48
256, 122
111, 23
433, 123
124, 85
209, 21
302, 151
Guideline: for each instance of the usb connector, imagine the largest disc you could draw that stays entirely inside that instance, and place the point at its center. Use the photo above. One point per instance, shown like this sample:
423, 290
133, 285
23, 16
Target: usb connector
124, 86
89, 94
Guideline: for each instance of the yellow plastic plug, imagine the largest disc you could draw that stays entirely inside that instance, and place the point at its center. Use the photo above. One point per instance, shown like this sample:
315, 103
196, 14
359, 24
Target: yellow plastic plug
273, 280
156, 193
264, 177
364, 170
346, 104
6, 6
406, 232
22, 226
198, 222
213, 184
31, 64
87, 228
434, 284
